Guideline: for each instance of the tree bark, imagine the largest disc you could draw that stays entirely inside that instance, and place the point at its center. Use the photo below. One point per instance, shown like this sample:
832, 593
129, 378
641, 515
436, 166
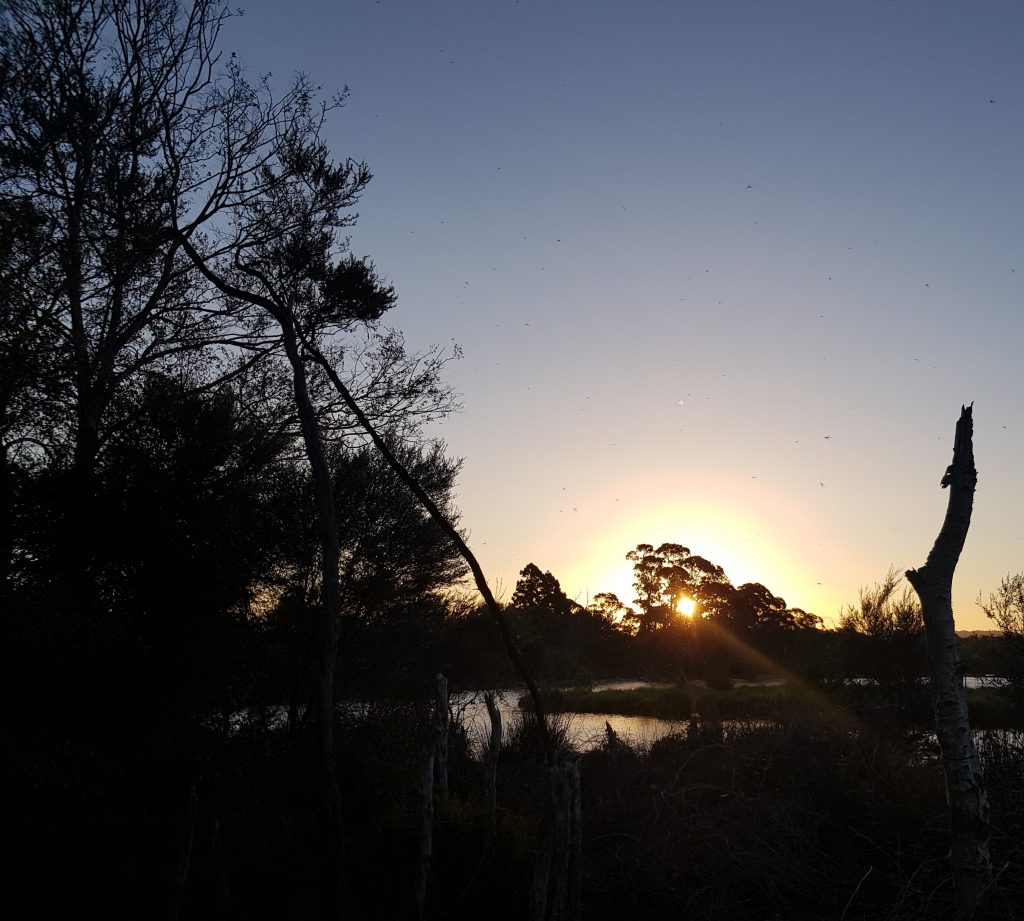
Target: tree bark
965, 783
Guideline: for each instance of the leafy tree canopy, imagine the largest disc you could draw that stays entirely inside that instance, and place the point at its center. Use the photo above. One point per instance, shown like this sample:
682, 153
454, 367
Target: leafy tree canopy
536, 589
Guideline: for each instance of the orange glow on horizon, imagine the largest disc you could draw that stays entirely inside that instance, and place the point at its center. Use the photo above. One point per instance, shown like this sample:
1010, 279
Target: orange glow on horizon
755, 536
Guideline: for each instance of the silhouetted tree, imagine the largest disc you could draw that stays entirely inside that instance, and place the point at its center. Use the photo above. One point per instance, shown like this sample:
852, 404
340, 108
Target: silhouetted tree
619, 615
392, 552
1005, 607
540, 590
393, 561
663, 576
178, 209
88, 89
890, 629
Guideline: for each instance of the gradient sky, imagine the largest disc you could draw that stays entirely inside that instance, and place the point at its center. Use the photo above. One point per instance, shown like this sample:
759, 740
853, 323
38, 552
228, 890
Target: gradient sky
723, 273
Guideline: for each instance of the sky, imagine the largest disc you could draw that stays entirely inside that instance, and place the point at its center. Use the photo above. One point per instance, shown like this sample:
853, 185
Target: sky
722, 273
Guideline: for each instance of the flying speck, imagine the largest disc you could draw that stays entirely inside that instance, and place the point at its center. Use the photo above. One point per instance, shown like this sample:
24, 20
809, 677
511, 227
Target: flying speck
828, 437
680, 402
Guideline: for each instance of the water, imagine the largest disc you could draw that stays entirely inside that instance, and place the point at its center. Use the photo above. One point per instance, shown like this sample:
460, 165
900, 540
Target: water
584, 731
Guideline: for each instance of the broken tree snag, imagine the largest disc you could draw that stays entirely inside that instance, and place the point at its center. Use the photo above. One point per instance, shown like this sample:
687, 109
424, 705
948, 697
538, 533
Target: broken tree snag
965, 784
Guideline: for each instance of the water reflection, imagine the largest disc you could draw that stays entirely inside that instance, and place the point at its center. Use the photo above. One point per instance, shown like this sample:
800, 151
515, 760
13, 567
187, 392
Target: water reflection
586, 731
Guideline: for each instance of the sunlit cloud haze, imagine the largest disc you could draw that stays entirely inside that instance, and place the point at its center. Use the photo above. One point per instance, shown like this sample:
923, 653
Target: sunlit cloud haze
723, 274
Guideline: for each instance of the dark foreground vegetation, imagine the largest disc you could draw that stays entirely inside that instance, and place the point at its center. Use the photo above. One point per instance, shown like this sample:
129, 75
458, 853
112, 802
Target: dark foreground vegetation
796, 818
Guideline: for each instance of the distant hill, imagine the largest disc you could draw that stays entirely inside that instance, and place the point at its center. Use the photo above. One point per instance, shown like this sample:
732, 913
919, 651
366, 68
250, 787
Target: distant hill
979, 632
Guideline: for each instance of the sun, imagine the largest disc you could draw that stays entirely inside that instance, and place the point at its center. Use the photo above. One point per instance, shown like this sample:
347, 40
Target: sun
686, 606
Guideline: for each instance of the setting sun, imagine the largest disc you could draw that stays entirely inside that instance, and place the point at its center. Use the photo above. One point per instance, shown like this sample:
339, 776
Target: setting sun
686, 606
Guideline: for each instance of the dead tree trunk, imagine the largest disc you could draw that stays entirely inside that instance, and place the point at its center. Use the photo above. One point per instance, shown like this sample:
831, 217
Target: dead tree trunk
965, 784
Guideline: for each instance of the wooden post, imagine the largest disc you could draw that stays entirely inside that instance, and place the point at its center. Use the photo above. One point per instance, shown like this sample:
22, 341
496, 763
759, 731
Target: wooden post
614, 748
491, 764
441, 738
965, 784
557, 873
433, 782
426, 850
